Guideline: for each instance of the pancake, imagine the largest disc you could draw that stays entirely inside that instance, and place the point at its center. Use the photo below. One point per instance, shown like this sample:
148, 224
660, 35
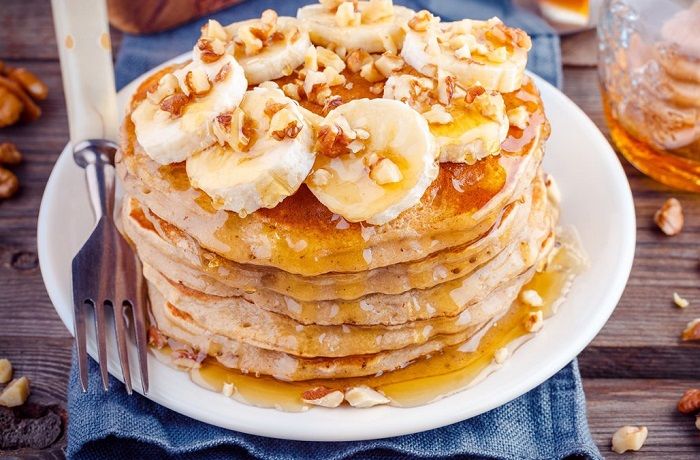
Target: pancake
302, 236
142, 225
282, 366
448, 298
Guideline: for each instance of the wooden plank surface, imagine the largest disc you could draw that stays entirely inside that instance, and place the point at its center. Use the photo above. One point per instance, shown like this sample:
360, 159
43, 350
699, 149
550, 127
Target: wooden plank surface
634, 371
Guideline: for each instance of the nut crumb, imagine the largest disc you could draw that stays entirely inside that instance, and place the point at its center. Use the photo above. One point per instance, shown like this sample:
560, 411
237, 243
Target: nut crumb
534, 321
9, 184
680, 301
629, 438
228, 389
5, 370
690, 402
501, 355
323, 396
532, 298
15, 393
669, 217
692, 331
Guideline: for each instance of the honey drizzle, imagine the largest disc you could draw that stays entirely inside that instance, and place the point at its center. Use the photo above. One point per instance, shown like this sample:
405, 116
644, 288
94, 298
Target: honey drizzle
427, 379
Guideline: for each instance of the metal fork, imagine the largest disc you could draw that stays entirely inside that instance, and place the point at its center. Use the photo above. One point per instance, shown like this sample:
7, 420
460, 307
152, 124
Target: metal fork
106, 274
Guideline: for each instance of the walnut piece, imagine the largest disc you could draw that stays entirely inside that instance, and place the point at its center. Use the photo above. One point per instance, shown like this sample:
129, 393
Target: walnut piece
9, 184
19, 88
692, 331
332, 142
9, 155
323, 396
5, 370
15, 393
680, 301
30, 82
629, 438
420, 21
669, 217
690, 402
174, 104
534, 321
10, 108
364, 396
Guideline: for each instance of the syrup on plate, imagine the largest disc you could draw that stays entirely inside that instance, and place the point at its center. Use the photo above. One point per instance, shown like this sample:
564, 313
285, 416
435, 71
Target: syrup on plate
429, 378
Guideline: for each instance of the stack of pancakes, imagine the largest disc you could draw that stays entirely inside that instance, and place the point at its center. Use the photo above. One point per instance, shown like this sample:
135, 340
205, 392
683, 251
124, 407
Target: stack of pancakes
298, 293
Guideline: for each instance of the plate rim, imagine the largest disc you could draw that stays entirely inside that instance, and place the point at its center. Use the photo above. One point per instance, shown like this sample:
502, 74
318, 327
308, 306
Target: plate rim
401, 426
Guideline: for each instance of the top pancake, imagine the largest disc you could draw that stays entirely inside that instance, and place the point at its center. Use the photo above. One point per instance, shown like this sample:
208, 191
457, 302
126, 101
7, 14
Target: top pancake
302, 236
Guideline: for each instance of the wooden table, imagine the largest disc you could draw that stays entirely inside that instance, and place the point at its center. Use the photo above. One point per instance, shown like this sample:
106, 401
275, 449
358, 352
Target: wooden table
634, 371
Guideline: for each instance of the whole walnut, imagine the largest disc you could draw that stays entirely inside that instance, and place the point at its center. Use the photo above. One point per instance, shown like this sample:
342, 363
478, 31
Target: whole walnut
10, 107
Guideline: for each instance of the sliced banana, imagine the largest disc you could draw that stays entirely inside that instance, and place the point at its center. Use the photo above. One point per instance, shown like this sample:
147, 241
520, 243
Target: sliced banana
174, 121
467, 126
376, 26
484, 53
270, 47
376, 158
263, 155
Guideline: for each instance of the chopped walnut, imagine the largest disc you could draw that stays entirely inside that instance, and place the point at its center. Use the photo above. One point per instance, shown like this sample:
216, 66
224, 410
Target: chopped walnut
346, 16
421, 21
167, 85
445, 87
501, 355
11, 108
377, 10
222, 73
321, 177
213, 30
323, 396
9, 184
331, 103
284, 125
327, 58
332, 142
691, 331
680, 301
438, 115
197, 82
473, 92
370, 73
385, 172
629, 438
156, 338
356, 59
15, 393
388, 63
331, 5
518, 116
669, 217
210, 50
532, 298
5, 370
272, 107
32, 84
9, 155
534, 321
292, 90
174, 104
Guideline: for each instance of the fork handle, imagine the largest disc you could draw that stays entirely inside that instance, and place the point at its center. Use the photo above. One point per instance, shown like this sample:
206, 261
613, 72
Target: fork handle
97, 157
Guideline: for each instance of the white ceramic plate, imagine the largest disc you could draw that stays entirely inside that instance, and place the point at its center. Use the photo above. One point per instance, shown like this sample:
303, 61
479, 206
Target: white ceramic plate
596, 200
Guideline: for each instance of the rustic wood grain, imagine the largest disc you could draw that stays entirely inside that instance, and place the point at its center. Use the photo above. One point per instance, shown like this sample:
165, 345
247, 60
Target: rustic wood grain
634, 371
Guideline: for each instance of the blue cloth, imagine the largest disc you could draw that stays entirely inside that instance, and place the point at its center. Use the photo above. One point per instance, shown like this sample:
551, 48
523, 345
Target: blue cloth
548, 422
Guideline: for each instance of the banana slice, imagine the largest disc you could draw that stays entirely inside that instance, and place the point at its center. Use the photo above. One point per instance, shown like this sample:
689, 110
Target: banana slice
467, 126
375, 27
376, 158
484, 53
174, 121
270, 47
263, 155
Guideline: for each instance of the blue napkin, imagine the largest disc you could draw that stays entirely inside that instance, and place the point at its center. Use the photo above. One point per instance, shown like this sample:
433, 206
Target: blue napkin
548, 422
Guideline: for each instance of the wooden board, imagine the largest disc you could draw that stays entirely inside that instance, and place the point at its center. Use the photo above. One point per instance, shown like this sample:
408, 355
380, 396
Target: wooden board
634, 371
